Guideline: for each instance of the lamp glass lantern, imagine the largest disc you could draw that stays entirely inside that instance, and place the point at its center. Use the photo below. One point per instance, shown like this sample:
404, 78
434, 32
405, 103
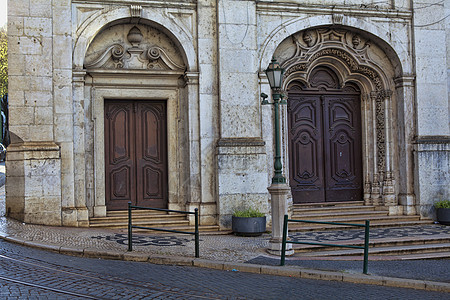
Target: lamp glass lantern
274, 73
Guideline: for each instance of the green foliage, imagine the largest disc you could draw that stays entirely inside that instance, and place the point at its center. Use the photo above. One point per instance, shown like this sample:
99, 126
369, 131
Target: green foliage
442, 204
3, 61
248, 213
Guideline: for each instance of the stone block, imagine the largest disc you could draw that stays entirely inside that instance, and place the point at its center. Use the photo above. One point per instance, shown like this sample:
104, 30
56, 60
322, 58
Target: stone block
208, 74
404, 283
15, 26
43, 116
38, 27
21, 132
24, 115
39, 98
20, 8
40, 8
62, 19
237, 36
240, 120
40, 83
242, 267
71, 251
16, 64
63, 127
41, 132
238, 61
133, 256
16, 98
363, 279
39, 65
170, 260
43, 218
281, 271
443, 287
323, 275
62, 52
207, 54
210, 264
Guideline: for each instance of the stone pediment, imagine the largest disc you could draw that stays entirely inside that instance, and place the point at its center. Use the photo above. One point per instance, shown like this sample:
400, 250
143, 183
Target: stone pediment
133, 48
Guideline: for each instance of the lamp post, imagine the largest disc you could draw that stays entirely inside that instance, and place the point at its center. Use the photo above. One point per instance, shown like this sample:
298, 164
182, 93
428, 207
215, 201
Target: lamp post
279, 189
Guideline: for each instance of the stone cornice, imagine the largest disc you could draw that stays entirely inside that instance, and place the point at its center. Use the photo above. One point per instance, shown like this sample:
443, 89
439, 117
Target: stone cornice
186, 4
295, 8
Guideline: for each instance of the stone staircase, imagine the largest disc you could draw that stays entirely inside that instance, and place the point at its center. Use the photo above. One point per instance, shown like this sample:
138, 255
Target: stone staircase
353, 212
391, 237
147, 218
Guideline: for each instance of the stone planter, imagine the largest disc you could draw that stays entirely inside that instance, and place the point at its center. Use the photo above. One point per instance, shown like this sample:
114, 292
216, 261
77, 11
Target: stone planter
253, 226
443, 215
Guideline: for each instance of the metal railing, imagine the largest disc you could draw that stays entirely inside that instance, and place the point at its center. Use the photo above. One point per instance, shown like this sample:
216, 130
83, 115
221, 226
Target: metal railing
131, 226
366, 239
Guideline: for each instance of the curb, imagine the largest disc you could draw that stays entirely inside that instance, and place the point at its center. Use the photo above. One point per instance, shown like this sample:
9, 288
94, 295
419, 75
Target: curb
288, 271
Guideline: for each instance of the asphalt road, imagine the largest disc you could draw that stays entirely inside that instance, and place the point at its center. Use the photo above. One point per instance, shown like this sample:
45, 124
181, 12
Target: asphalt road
27, 273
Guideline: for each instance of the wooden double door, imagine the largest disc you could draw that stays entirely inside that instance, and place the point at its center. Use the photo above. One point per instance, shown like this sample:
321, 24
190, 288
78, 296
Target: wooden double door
135, 154
325, 145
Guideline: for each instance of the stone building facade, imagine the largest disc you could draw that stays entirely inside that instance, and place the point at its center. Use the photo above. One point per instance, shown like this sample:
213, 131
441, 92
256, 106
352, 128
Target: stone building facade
158, 102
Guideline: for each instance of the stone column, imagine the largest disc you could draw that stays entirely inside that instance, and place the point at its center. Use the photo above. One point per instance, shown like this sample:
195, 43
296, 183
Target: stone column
406, 134
279, 208
33, 184
241, 153
207, 113
375, 195
389, 196
79, 148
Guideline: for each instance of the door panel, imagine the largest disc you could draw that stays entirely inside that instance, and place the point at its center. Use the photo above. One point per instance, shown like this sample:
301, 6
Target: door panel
342, 148
119, 155
151, 155
306, 163
136, 154
324, 146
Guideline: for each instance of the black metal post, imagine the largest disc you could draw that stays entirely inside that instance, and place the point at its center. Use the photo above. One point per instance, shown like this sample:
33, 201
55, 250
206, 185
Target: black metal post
366, 246
283, 243
197, 240
130, 237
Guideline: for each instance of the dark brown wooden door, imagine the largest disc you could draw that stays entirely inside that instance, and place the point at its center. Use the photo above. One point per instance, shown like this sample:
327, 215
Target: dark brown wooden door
135, 154
324, 145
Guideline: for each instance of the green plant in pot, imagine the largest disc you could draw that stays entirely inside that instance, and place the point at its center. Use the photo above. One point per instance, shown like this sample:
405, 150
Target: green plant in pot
443, 211
248, 222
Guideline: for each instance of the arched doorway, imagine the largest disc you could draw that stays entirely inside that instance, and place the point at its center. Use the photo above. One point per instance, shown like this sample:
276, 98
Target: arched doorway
324, 123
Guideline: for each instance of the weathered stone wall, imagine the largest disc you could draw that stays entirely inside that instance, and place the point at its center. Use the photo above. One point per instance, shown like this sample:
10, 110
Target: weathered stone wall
221, 138
432, 58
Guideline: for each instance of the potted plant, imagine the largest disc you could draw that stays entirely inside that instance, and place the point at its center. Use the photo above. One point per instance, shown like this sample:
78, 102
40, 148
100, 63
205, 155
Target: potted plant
443, 211
248, 222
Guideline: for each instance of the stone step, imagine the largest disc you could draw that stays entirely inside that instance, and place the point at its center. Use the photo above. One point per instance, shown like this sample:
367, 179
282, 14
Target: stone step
138, 217
392, 221
203, 229
374, 243
328, 204
368, 214
146, 223
331, 209
392, 250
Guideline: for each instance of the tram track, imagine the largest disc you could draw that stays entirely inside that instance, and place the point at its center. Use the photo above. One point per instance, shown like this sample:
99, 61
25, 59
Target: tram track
137, 288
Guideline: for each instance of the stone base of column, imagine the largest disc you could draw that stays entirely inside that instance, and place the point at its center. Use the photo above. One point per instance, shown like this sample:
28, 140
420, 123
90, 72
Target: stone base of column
278, 193
275, 246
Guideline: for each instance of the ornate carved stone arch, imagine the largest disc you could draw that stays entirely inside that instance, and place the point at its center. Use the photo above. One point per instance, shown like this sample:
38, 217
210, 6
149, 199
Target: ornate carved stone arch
353, 56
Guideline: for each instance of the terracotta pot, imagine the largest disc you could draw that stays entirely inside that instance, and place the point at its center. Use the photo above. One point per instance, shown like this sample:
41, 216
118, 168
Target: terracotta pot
248, 226
443, 216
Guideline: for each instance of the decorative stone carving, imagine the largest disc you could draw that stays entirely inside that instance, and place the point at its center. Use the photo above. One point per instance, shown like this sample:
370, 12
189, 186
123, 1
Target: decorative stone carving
136, 11
305, 51
150, 50
337, 18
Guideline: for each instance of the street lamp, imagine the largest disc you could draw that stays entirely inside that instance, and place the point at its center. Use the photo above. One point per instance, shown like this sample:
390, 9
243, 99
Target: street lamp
274, 74
279, 189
